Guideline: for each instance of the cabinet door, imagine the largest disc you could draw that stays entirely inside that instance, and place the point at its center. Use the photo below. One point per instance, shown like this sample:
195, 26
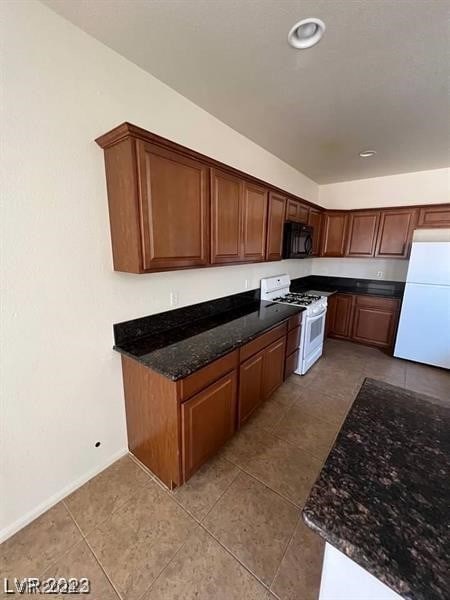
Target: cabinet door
341, 323
208, 421
273, 366
174, 206
333, 234
291, 364
277, 207
296, 211
362, 233
375, 320
395, 233
434, 216
254, 220
226, 218
315, 220
250, 386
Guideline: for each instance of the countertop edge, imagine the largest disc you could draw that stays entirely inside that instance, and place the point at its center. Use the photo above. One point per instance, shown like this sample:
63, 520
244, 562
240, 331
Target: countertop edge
233, 347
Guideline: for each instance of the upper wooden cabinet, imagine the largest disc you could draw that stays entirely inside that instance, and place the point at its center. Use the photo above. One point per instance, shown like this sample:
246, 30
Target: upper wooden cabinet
173, 208
238, 219
362, 233
334, 229
174, 198
295, 211
275, 224
395, 232
315, 220
434, 216
254, 222
226, 217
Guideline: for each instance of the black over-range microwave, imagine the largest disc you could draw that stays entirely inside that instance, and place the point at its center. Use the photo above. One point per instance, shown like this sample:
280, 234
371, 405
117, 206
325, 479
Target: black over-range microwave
297, 240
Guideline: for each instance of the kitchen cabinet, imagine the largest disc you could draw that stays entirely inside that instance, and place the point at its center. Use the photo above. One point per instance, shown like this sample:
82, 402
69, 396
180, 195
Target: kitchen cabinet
262, 373
226, 217
158, 206
254, 222
250, 385
362, 233
273, 371
395, 233
175, 426
334, 228
369, 320
208, 421
434, 216
295, 211
315, 221
339, 315
275, 225
238, 219
375, 320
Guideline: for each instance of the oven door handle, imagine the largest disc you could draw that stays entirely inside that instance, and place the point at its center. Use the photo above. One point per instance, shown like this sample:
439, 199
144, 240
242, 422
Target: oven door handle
315, 317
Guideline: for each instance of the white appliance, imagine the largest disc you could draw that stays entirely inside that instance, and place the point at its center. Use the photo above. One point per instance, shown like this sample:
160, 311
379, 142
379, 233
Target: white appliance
276, 289
424, 328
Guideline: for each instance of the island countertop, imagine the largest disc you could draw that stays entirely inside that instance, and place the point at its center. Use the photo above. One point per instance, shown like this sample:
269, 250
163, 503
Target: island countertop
382, 496
177, 351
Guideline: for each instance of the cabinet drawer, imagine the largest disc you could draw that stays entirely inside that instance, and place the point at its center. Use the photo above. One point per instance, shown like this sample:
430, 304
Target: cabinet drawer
203, 377
291, 364
378, 302
262, 341
294, 321
293, 340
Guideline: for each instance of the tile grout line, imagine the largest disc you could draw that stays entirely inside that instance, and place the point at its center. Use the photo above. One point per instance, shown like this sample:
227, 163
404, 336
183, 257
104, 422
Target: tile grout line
228, 551
98, 561
284, 554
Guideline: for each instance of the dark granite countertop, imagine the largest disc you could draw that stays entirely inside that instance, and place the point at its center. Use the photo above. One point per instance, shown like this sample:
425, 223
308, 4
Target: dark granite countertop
382, 496
185, 346
349, 285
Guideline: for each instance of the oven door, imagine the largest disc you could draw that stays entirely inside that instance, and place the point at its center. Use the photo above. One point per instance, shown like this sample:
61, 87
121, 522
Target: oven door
314, 330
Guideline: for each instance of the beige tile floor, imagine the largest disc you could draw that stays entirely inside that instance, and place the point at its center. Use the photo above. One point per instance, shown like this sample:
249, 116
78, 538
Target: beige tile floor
234, 531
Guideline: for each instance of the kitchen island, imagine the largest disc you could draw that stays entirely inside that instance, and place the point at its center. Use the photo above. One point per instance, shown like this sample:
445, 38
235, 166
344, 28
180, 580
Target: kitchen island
381, 500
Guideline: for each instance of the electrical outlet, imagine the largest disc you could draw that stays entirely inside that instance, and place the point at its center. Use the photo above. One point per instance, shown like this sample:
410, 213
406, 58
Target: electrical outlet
247, 284
173, 298
379, 274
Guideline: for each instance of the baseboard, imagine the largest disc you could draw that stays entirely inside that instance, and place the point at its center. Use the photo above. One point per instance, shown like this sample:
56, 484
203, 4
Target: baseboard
10, 530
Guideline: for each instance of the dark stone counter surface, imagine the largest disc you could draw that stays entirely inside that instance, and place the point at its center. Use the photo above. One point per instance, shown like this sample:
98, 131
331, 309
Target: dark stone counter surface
372, 287
177, 343
382, 497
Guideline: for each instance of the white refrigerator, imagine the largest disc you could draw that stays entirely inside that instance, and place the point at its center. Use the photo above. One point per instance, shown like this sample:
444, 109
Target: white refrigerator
424, 327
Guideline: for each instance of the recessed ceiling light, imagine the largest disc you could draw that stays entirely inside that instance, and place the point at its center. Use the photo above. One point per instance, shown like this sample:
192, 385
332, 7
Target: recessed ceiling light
306, 33
367, 153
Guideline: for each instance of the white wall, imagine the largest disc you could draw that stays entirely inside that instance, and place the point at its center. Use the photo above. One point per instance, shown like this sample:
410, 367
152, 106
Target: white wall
61, 381
423, 187
361, 268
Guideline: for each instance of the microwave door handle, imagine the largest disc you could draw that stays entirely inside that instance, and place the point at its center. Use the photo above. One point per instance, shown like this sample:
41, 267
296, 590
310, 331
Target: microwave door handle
308, 244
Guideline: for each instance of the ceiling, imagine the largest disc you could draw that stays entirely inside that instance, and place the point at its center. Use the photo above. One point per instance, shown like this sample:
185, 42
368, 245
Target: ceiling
379, 79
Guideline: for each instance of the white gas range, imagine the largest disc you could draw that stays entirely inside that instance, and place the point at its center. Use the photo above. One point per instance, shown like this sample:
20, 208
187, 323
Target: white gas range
276, 289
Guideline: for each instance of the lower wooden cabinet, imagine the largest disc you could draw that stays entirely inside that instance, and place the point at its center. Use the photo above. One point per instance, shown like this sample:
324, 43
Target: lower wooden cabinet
339, 315
175, 426
260, 375
375, 320
208, 421
250, 385
291, 363
273, 371
370, 320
